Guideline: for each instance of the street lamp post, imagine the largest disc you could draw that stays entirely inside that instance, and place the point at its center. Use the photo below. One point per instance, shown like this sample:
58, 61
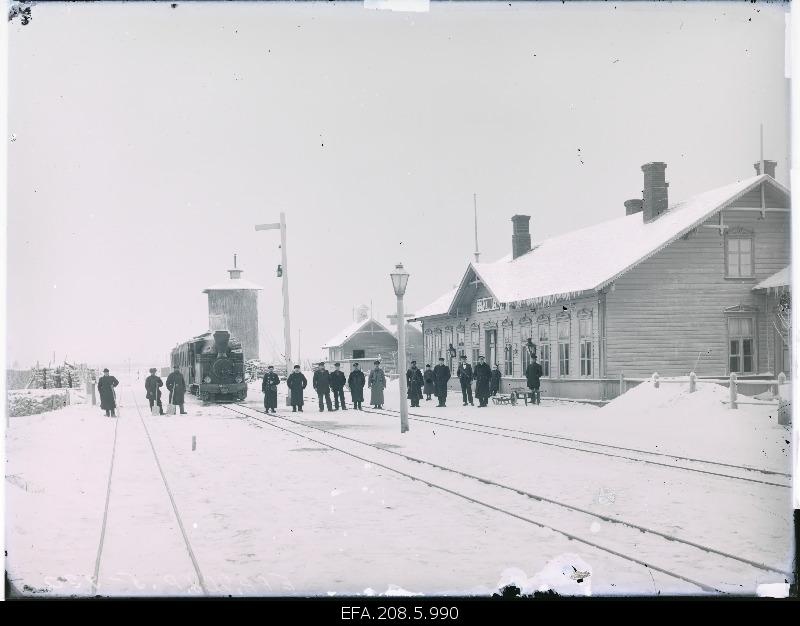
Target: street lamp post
399, 282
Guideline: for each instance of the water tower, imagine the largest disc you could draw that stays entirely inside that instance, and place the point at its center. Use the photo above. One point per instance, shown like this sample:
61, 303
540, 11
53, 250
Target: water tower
233, 306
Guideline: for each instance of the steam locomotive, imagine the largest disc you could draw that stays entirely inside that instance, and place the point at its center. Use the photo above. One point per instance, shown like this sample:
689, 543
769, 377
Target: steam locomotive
213, 366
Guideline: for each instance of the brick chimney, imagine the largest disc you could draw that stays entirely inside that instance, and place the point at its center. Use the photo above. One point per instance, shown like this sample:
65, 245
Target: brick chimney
655, 191
521, 237
633, 206
769, 167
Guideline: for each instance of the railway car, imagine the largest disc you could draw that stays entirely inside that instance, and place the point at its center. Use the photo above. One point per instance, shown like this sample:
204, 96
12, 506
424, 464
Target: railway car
213, 366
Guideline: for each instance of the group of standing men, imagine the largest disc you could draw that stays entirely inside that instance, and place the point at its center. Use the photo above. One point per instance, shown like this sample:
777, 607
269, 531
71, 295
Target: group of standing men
176, 385
324, 382
106, 386
434, 381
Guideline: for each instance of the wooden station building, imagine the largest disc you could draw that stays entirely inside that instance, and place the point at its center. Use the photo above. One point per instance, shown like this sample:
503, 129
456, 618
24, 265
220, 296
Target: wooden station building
663, 288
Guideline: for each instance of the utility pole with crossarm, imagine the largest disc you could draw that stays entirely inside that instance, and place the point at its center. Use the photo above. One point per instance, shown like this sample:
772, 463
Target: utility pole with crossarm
284, 273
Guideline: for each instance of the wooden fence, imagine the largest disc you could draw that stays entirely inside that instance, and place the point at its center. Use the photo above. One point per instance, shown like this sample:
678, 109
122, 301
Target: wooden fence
733, 383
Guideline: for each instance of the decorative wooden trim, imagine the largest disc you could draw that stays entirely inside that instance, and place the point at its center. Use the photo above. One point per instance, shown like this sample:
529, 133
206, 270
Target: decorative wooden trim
490, 325
460, 328
544, 318
525, 321
449, 327
475, 326
741, 309
429, 331
437, 331
507, 322
564, 316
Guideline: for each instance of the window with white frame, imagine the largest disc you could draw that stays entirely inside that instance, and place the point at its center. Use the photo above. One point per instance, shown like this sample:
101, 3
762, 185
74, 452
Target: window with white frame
544, 345
563, 346
448, 340
508, 351
437, 344
429, 347
460, 341
585, 336
741, 345
475, 342
525, 331
739, 262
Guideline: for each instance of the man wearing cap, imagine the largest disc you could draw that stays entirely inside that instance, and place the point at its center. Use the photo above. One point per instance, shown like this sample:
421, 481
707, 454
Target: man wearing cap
533, 373
177, 388
415, 382
153, 384
322, 385
483, 381
296, 383
356, 382
105, 387
270, 388
377, 383
441, 374
338, 382
465, 376
427, 376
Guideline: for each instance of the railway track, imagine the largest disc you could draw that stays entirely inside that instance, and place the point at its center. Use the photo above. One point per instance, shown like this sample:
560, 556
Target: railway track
701, 466
629, 541
120, 493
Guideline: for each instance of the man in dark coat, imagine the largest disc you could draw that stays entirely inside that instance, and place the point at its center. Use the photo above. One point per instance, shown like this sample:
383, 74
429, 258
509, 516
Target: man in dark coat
483, 381
356, 382
270, 388
427, 376
465, 376
496, 376
533, 373
177, 388
322, 385
338, 381
153, 386
415, 382
441, 374
108, 398
296, 383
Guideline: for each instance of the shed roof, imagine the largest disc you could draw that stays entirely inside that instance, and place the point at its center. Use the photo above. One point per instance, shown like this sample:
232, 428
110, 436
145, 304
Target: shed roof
783, 278
353, 329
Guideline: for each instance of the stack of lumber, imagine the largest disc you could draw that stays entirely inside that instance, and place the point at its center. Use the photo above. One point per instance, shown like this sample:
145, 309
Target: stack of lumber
60, 377
33, 402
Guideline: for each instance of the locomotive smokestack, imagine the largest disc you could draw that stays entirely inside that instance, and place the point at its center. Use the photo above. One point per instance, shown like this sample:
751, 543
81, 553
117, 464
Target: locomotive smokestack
221, 338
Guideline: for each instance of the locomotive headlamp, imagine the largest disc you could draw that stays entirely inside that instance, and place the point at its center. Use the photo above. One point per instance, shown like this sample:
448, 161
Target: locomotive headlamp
207, 379
238, 379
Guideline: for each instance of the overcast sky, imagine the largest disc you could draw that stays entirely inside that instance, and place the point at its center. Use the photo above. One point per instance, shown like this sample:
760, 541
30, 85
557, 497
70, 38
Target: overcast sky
148, 141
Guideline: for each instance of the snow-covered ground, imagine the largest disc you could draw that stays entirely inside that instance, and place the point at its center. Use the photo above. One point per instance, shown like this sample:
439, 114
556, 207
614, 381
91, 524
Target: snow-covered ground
269, 512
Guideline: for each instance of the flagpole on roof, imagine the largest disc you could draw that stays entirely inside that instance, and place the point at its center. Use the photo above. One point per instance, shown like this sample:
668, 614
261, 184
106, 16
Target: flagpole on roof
475, 205
763, 171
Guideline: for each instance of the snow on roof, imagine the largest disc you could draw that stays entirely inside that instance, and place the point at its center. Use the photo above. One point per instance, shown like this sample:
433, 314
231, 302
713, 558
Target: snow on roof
778, 279
349, 331
232, 284
592, 257
440, 306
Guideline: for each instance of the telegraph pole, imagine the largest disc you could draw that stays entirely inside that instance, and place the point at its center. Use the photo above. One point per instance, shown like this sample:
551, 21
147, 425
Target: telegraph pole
287, 333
